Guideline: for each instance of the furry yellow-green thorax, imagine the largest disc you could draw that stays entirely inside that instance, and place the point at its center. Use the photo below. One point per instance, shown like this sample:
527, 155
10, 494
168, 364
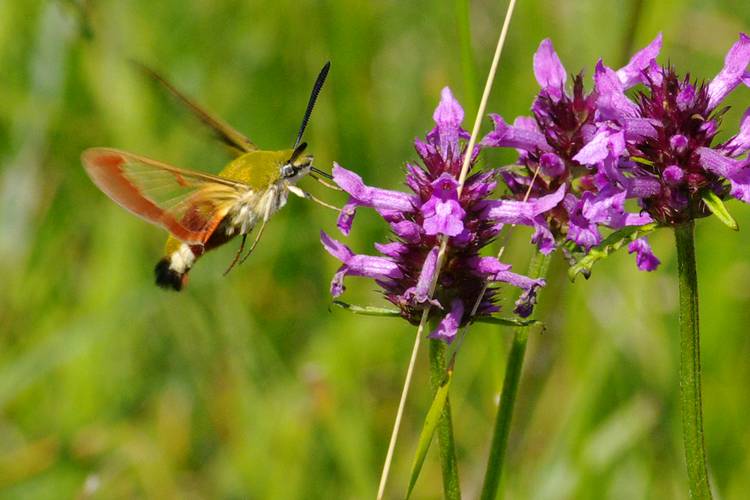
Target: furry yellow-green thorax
261, 169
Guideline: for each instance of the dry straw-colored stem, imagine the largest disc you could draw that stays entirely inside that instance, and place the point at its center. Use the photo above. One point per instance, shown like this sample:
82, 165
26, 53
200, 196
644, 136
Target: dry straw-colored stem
443, 245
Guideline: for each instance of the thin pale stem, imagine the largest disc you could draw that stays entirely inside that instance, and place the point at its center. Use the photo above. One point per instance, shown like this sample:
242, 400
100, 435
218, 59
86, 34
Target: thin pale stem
513, 369
400, 411
443, 247
690, 364
448, 462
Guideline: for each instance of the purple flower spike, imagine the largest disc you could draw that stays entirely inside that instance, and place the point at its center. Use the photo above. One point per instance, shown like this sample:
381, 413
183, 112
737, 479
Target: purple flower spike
732, 74
420, 220
548, 70
645, 258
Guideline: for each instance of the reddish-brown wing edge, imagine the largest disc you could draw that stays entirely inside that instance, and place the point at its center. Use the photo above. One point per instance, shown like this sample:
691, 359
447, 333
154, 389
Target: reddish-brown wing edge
103, 166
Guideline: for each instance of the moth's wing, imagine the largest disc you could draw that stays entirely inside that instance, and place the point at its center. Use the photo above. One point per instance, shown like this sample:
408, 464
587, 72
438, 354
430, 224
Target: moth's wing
223, 131
190, 205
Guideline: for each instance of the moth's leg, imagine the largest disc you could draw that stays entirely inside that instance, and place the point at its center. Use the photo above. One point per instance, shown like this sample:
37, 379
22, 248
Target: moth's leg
304, 194
255, 242
266, 215
237, 255
326, 184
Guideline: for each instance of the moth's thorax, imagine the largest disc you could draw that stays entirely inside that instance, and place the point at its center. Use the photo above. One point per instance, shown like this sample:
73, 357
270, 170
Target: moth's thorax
258, 169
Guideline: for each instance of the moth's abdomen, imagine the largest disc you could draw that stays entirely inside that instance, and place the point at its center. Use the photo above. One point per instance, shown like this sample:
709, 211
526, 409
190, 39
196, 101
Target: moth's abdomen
172, 270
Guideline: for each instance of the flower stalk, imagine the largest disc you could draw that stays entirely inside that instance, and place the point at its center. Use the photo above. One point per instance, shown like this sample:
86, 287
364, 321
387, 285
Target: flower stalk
513, 368
448, 462
690, 364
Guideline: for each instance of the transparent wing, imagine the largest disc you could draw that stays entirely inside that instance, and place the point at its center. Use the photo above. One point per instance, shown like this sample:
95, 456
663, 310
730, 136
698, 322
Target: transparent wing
190, 205
223, 131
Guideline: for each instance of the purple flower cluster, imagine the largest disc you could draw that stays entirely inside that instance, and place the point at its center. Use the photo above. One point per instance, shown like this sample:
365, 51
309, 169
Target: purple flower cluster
419, 220
602, 148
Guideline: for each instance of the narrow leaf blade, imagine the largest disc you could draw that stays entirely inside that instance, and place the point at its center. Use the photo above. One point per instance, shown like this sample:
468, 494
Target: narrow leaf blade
610, 244
717, 207
428, 429
368, 310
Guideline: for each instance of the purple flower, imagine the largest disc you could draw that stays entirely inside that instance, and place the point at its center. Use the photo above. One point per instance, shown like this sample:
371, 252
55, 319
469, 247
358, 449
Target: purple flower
559, 147
672, 161
434, 210
645, 258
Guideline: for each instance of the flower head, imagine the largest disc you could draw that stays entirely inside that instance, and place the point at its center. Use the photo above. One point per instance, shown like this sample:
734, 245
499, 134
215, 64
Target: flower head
669, 156
435, 209
557, 146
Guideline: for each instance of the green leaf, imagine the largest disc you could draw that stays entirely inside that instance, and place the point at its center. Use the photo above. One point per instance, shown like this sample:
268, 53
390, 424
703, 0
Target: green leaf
611, 243
368, 310
493, 320
717, 207
428, 429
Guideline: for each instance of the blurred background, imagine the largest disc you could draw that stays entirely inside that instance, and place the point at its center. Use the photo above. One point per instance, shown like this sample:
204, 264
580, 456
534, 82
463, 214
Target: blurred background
250, 386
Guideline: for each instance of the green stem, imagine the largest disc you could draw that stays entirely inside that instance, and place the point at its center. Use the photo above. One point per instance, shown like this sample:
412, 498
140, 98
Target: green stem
690, 364
448, 462
537, 269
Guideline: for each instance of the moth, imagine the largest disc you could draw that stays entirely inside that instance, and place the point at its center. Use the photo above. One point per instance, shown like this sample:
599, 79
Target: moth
203, 211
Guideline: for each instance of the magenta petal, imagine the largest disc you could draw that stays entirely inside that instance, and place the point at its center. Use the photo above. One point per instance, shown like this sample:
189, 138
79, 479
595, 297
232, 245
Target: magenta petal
551, 164
487, 266
740, 143
335, 248
369, 196
407, 230
442, 212
548, 69
508, 136
523, 212
448, 327
645, 258
733, 72
420, 293
632, 73
612, 101
607, 141
673, 175
543, 237
346, 217
393, 250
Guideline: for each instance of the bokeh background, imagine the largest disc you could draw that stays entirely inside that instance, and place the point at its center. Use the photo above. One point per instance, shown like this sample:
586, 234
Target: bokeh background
250, 386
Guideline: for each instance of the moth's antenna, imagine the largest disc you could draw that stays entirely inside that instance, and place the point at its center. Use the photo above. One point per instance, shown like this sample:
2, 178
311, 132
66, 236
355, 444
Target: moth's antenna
311, 103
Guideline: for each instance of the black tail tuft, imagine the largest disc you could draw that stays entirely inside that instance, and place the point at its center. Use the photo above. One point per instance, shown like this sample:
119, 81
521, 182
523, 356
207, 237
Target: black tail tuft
168, 278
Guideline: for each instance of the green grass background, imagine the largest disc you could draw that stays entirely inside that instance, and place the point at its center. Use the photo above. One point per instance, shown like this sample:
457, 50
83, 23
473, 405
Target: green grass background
249, 386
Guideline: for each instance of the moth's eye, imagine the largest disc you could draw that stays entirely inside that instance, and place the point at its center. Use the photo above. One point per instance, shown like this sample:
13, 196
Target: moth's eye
287, 171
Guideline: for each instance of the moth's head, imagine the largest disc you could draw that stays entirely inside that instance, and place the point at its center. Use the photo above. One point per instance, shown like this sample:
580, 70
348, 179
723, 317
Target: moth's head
298, 165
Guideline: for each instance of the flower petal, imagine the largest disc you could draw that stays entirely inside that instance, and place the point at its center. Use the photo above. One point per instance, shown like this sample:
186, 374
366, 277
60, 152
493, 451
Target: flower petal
632, 73
737, 171
370, 196
645, 258
442, 212
509, 136
357, 265
608, 141
420, 293
733, 72
523, 212
740, 143
548, 69
612, 102
448, 327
